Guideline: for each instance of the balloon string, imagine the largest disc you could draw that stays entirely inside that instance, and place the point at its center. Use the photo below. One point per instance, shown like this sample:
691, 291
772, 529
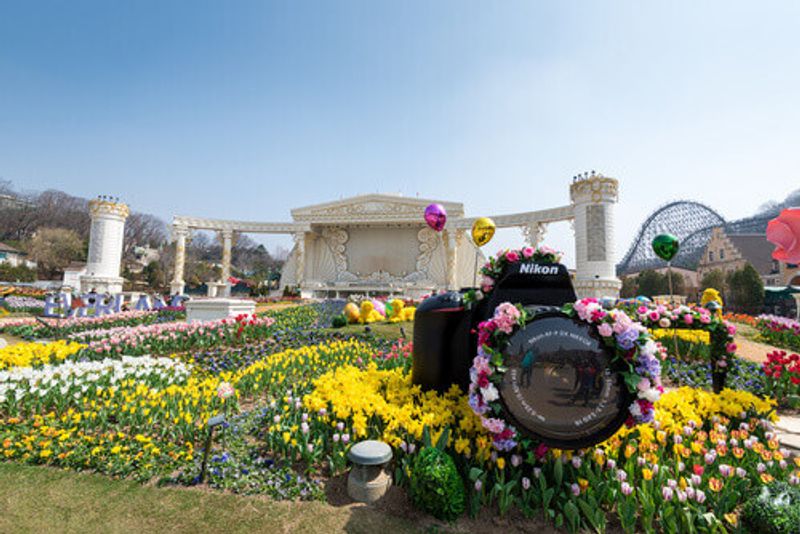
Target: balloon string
476, 266
672, 304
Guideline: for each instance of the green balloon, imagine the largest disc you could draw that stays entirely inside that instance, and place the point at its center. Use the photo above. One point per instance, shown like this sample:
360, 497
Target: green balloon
666, 246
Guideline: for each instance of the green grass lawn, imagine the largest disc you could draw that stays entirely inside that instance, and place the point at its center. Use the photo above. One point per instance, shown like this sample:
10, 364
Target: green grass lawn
39, 499
389, 331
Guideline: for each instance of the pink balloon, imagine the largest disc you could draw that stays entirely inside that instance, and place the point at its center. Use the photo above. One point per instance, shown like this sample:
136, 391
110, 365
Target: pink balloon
784, 232
436, 217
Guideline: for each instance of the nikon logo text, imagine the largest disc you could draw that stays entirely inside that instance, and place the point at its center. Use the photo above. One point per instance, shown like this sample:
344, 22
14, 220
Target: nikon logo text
535, 268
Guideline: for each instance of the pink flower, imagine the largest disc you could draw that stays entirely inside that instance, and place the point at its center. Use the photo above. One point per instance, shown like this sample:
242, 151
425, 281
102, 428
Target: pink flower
730, 348
495, 426
688, 319
605, 330
527, 252
512, 256
784, 232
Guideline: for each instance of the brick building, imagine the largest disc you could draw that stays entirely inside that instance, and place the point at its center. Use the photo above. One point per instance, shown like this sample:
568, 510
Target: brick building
730, 252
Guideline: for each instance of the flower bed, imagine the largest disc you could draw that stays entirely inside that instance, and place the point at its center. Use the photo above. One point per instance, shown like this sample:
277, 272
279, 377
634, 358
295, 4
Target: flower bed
782, 372
741, 318
743, 375
779, 331
16, 304
36, 354
33, 329
296, 398
176, 337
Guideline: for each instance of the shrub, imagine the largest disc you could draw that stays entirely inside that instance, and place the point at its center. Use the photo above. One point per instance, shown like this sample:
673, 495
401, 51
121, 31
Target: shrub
774, 510
435, 485
339, 321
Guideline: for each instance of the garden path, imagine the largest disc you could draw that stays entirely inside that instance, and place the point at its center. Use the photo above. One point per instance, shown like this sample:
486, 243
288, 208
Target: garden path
788, 428
752, 350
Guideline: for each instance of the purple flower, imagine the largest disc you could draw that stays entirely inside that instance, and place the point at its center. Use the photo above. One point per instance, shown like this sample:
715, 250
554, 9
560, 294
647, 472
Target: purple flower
627, 338
576, 489
666, 493
526, 483
626, 489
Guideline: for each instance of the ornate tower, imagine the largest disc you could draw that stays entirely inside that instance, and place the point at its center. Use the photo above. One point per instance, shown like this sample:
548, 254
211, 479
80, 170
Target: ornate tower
105, 245
594, 198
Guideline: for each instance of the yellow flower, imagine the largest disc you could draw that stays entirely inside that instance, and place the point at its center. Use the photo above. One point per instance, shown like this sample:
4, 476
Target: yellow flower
647, 474
501, 463
715, 484
732, 519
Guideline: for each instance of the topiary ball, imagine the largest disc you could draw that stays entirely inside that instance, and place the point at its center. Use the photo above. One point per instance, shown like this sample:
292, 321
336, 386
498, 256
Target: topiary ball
339, 321
774, 510
435, 485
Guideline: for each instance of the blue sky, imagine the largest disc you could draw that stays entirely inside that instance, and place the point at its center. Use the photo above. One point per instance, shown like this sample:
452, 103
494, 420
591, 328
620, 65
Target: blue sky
248, 109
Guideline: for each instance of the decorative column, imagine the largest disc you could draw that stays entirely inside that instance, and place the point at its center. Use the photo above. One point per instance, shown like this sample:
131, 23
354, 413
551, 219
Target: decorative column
594, 198
105, 246
227, 242
300, 242
179, 235
533, 233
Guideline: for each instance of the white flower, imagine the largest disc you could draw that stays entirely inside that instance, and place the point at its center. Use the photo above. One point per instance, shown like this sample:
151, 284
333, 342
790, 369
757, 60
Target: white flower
490, 393
651, 394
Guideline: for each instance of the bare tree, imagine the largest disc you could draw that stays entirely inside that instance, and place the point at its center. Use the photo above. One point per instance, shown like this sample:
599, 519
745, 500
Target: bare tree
142, 230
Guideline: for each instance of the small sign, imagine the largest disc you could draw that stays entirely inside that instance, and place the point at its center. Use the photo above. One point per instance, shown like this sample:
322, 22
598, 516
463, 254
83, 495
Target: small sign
216, 420
95, 304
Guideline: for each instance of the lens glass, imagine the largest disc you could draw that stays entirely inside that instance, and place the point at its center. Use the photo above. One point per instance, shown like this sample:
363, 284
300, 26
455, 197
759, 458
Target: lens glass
560, 385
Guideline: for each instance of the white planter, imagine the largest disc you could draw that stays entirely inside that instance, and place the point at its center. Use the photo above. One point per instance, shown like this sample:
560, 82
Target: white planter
217, 308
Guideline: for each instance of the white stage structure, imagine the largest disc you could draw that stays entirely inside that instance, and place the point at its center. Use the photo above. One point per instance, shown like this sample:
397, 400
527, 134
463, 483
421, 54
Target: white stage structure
380, 243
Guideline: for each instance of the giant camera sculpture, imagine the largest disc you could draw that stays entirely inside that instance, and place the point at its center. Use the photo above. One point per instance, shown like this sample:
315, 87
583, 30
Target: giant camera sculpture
561, 386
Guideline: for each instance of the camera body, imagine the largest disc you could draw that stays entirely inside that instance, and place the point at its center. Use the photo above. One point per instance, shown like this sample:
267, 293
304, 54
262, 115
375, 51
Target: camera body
444, 328
562, 384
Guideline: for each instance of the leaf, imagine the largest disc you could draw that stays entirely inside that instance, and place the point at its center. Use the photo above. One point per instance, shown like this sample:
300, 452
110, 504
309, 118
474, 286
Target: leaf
441, 443
475, 473
558, 473
426, 436
632, 380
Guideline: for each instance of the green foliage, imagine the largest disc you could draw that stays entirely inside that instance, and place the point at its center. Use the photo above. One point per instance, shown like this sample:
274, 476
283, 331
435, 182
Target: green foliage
715, 279
54, 248
21, 273
650, 283
629, 287
774, 510
339, 321
436, 486
746, 289
154, 275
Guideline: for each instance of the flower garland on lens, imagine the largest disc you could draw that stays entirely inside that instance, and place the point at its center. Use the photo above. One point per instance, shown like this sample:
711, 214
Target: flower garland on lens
630, 340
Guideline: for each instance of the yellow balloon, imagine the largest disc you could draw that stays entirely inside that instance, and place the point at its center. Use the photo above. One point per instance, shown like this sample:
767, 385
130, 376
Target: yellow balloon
483, 231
